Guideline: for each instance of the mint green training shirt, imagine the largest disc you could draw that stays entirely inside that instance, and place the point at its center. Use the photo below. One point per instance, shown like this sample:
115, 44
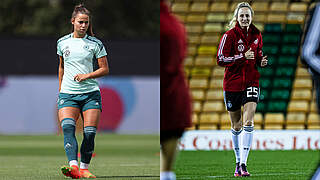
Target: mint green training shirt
78, 55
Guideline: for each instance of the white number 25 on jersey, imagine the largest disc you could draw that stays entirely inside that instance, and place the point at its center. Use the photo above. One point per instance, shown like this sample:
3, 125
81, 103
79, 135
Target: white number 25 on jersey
252, 92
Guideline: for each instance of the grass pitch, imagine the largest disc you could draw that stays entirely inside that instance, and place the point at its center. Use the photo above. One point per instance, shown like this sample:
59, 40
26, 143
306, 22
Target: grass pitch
117, 157
268, 165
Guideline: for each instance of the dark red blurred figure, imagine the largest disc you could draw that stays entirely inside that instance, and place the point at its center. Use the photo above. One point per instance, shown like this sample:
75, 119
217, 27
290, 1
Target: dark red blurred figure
175, 100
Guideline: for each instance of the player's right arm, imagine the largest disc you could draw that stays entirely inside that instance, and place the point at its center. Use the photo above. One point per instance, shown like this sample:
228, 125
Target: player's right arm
61, 62
227, 54
61, 71
224, 55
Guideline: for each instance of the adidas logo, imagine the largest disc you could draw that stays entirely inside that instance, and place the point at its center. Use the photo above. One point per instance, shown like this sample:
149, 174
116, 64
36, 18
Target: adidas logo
68, 145
240, 41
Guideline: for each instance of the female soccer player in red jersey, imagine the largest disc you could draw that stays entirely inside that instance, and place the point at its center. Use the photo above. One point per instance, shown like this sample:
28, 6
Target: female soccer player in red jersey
240, 52
175, 108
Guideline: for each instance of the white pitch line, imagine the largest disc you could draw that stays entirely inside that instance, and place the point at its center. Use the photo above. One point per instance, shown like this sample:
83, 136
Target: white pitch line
253, 175
125, 165
277, 174
217, 176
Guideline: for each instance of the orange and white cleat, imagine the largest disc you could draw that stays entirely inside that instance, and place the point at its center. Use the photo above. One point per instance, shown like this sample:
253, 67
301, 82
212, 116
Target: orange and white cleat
72, 171
86, 174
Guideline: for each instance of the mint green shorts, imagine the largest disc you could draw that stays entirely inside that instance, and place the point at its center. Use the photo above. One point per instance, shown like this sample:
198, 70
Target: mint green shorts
85, 101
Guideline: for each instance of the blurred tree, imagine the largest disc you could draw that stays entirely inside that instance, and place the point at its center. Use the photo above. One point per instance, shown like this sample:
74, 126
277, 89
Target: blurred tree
116, 19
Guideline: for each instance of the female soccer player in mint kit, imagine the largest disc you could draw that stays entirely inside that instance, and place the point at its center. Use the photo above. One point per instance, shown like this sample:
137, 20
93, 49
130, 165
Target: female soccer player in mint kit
240, 52
78, 90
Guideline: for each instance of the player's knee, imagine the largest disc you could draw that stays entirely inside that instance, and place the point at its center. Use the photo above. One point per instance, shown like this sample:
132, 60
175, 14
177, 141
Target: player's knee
237, 126
248, 128
235, 116
89, 133
236, 131
248, 122
90, 130
68, 125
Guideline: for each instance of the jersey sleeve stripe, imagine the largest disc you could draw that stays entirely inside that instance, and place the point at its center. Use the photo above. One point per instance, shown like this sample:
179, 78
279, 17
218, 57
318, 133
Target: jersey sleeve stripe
100, 44
64, 38
220, 54
222, 44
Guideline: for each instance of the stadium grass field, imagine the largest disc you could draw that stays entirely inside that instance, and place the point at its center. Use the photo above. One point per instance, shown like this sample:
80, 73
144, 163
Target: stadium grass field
268, 165
117, 157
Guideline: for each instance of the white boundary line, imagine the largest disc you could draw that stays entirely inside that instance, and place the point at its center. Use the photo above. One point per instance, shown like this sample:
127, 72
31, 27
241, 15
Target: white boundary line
253, 175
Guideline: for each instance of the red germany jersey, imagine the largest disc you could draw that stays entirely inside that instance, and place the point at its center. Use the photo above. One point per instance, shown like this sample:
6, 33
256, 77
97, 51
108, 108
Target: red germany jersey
175, 108
240, 72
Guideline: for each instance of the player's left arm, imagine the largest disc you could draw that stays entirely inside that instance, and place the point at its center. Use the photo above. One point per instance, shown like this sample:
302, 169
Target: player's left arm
262, 61
101, 71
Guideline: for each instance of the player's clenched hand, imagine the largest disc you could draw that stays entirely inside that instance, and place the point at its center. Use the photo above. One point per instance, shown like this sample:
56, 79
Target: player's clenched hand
80, 77
264, 61
249, 54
